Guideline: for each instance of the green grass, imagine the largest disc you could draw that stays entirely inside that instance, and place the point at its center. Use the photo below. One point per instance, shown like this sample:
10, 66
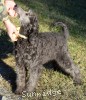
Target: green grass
73, 13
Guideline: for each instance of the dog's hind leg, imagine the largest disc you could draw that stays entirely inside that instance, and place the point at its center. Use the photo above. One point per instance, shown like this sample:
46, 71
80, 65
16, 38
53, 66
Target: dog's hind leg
67, 65
21, 78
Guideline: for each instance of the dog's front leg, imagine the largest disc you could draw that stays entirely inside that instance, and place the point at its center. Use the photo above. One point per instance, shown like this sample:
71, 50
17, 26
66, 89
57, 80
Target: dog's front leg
33, 78
21, 78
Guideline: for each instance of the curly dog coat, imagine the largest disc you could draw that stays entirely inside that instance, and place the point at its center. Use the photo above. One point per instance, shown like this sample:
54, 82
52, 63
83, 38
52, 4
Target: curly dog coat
32, 53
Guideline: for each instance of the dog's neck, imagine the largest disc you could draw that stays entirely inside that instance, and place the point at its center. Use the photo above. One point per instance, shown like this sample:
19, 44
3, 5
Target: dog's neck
29, 30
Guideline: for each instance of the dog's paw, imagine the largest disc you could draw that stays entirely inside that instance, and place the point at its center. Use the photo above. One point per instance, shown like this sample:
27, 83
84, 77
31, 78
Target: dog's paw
19, 91
78, 81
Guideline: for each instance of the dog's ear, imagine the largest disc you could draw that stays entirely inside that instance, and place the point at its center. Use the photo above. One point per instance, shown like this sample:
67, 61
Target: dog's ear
31, 12
32, 15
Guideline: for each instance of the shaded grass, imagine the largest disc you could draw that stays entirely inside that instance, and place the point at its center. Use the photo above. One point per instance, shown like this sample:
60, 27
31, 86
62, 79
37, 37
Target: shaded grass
73, 13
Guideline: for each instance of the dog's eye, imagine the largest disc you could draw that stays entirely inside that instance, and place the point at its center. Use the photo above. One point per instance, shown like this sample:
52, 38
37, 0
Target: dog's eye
26, 14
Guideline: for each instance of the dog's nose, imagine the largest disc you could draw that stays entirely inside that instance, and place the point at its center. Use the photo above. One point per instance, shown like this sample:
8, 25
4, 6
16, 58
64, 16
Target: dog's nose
15, 7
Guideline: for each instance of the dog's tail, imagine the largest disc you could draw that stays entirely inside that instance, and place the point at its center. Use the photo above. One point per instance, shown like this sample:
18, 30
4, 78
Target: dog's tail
64, 28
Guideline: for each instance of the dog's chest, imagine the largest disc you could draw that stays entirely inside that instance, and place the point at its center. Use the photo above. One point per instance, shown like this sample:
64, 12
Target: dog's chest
25, 50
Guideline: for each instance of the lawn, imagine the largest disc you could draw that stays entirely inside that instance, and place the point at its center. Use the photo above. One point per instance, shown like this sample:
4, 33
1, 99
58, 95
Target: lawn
52, 85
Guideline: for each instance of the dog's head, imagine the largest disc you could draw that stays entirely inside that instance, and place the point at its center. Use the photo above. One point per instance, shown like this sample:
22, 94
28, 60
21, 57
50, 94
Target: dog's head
28, 20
